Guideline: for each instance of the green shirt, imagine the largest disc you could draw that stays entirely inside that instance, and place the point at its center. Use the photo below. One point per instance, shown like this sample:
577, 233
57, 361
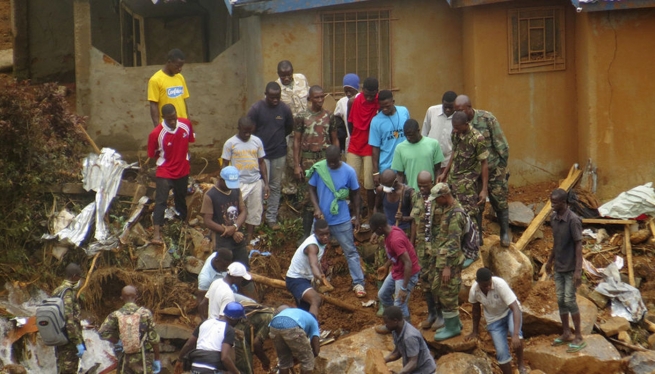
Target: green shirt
412, 158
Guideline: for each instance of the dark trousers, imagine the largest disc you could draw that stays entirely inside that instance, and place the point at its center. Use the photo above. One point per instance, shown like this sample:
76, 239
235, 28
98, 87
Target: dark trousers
164, 185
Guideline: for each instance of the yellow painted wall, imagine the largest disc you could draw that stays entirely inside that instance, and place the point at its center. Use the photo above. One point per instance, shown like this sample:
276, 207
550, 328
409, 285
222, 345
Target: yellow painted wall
537, 111
616, 54
426, 48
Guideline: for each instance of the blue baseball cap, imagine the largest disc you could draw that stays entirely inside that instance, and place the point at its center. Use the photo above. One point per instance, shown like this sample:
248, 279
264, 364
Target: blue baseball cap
234, 310
230, 175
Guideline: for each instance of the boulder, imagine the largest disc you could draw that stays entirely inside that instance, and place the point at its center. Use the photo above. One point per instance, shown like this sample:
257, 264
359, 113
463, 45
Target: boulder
510, 264
651, 341
615, 325
454, 344
193, 265
173, 331
463, 363
519, 214
375, 362
599, 357
642, 363
201, 247
468, 277
541, 314
153, 257
625, 337
348, 354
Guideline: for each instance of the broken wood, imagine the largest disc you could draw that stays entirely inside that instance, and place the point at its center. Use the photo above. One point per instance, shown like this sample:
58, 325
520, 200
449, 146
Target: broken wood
86, 135
131, 189
629, 346
281, 284
628, 254
568, 183
88, 275
605, 221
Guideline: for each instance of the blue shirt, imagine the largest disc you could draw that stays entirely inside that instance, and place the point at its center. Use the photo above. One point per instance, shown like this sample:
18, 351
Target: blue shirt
343, 177
386, 133
306, 321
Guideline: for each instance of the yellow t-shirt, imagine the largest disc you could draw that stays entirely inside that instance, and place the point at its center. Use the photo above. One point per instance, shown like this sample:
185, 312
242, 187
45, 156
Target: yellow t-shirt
164, 89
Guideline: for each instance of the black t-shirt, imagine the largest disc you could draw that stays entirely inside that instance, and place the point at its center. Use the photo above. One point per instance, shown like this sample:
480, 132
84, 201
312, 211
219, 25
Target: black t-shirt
225, 212
566, 231
272, 125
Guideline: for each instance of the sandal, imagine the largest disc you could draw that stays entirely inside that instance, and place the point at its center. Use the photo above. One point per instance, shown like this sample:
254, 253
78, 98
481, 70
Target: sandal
359, 290
560, 341
576, 347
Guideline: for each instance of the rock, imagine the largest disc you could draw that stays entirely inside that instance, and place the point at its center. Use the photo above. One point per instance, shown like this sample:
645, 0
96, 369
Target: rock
201, 247
455, 344
538, 207
651, 341
539, 234
519, 214
468, 277
642, 363
625, 337
193, 265
547, 321
462, 363
536, 372
598, 299
375, 362
153, 257
510, 264
171, 311
492, 228
173, 331
614, 325
599, 357
166, 347
348, 355
138, 234
58, 251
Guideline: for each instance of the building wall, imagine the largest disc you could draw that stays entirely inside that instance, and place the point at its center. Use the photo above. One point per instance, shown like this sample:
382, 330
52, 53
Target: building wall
615, 54
106, 27
537, 111
51, 44
425, 57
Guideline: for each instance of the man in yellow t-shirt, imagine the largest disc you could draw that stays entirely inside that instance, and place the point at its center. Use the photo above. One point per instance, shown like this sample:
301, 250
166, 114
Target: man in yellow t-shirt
167, 86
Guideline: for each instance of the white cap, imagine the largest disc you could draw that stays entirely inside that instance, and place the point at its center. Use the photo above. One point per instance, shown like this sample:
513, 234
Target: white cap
236, 269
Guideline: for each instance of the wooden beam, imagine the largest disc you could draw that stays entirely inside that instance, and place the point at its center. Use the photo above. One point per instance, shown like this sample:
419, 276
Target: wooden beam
603, 221
628, 254
574, 176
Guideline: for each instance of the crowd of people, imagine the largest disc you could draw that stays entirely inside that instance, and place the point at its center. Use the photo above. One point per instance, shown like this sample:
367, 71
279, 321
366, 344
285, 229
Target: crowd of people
426, 189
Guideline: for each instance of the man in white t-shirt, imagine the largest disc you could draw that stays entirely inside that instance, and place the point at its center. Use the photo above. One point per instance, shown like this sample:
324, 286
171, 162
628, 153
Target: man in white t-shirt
438, 124
221, 291
502, 312
215, 267
351, 89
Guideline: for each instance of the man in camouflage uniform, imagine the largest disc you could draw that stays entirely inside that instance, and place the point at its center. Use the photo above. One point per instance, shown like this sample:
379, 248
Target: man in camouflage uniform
314, 131
467, 172
447, 259
133, 363
496, 144
255, 332
68, 355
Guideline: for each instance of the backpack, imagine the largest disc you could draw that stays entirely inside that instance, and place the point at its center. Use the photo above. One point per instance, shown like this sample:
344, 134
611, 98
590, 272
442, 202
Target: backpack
471, 239
51, 320
129, 332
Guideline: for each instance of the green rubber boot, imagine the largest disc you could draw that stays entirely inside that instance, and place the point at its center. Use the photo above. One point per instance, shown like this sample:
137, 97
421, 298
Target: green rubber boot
451, 329
380, 306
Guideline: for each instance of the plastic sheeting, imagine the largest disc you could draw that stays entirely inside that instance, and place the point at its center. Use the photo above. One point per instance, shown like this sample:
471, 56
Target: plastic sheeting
626, 300
101, 173
630, 204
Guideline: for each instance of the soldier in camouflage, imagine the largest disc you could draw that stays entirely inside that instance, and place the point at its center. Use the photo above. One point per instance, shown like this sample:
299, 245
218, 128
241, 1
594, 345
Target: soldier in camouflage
68, 355
496, 144
255, 332
133, 363
314, 131
447, 259
467, 172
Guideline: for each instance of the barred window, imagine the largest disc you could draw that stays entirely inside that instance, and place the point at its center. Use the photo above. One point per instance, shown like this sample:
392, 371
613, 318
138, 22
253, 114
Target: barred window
356, 42
536, 39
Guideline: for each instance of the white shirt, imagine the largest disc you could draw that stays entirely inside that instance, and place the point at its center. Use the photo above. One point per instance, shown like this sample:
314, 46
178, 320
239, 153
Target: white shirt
207, 275
437, 125
300, 266
211, 334
497, 301
219, 295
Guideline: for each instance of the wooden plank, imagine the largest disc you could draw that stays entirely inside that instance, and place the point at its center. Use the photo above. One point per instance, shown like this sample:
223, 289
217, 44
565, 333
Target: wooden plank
528, 234
126, 189
603, 221
628, 254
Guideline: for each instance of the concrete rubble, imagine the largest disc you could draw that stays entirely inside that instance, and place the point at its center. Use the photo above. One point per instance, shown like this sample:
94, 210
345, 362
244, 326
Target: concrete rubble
173, 331
641, 363
153, 257
510, 264
615, 325
537, 322
519, 214
463, 363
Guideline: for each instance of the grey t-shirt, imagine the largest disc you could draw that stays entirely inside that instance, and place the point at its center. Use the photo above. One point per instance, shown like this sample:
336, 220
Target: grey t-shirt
410, 343
245, 157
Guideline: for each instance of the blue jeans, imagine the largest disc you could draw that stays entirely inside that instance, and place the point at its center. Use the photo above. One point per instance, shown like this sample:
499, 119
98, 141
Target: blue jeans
390, 287
275, 169
565, 290
499, 331
343, 232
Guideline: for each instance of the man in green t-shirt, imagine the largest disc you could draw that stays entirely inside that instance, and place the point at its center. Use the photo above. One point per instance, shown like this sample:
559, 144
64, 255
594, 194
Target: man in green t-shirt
415, 154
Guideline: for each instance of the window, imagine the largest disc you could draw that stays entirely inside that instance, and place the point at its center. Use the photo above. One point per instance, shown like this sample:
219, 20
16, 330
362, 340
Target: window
356, 42
536, 39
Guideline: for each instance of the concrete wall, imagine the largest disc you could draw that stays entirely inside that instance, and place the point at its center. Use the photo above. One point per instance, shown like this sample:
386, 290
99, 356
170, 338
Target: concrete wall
425, 58
537, 111
615, 54
106, 27
51, 45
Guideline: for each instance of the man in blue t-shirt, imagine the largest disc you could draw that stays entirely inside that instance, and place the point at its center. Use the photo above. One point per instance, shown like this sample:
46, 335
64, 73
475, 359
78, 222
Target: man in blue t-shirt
331, 182
296, 337
386, 132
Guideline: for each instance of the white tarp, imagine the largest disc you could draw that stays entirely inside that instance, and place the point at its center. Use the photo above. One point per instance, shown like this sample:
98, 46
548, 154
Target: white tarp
626, 300
631, 204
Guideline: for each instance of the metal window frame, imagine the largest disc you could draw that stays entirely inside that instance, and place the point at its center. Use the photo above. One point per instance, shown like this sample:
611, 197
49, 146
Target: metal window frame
335, 82
557, 62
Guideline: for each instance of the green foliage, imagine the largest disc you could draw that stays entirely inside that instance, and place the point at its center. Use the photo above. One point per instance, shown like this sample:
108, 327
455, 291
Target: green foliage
289, 233
41, 146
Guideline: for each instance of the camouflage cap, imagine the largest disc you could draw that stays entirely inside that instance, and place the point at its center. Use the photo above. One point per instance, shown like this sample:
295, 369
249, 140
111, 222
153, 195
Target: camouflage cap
440, 189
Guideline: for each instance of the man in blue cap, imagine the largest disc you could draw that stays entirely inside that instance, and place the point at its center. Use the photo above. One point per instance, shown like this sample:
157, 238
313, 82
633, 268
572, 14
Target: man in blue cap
224, 213
351, 89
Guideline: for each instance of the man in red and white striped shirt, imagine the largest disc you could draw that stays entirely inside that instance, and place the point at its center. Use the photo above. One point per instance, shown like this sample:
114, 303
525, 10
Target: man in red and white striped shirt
169, 144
